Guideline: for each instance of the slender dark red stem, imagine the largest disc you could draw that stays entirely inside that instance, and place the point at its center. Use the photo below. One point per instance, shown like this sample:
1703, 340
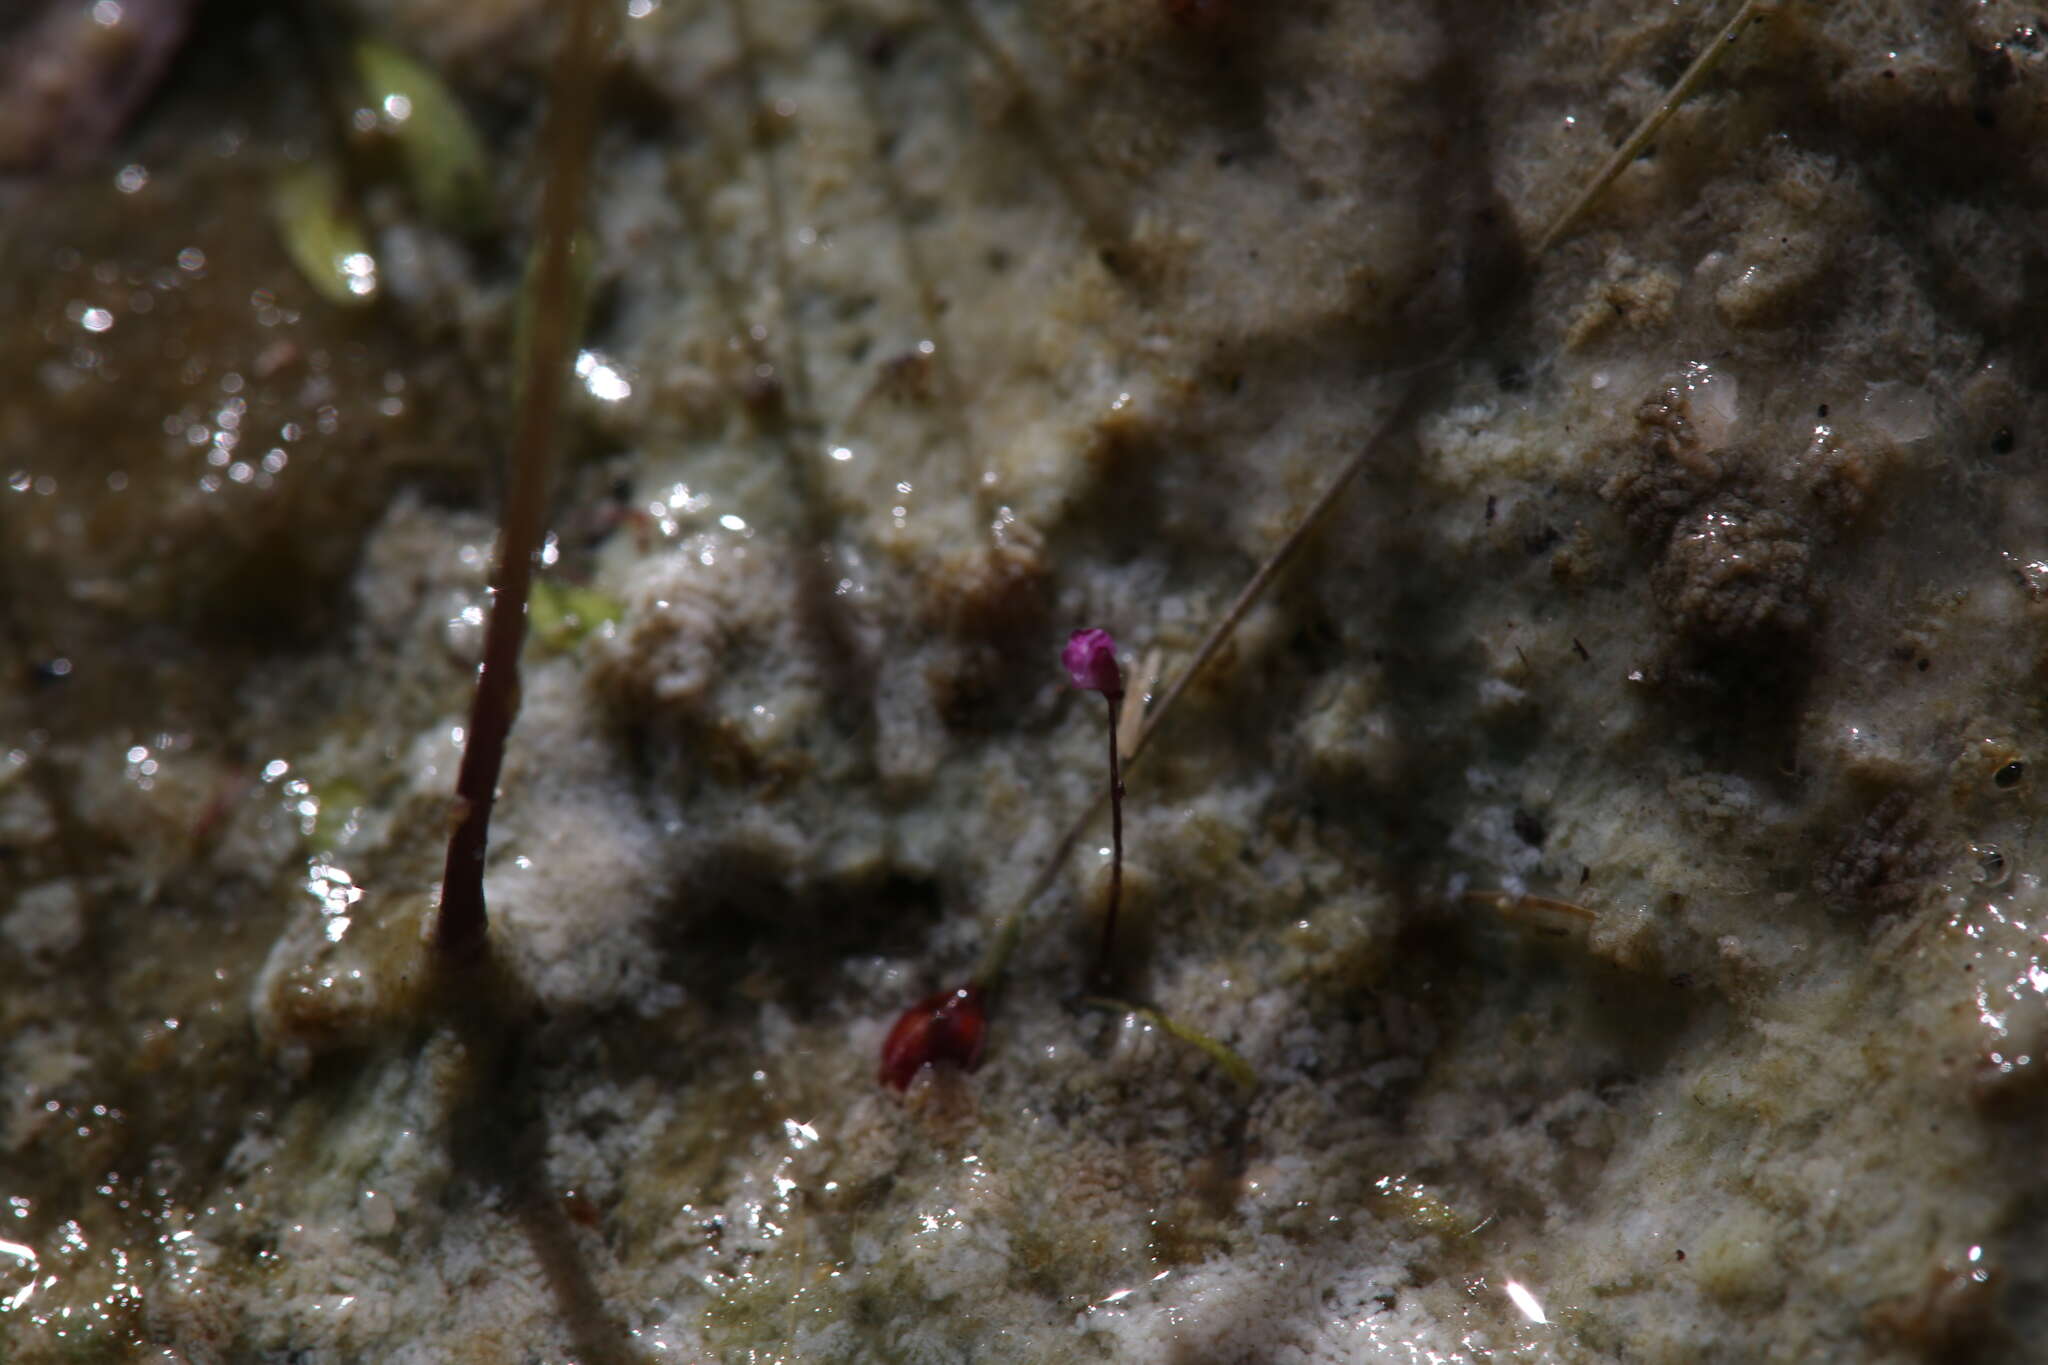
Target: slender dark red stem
460, 926
1116, 840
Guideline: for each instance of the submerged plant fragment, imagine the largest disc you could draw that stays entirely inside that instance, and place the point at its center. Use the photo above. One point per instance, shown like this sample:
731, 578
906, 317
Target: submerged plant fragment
322, 234
438, 148
1217, 1051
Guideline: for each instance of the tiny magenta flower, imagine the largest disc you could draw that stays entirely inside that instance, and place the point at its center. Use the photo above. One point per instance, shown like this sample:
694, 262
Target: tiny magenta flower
1090, 657
946, 1026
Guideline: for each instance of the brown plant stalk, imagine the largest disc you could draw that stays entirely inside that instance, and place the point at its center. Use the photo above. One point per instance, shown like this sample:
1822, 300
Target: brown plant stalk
459, 927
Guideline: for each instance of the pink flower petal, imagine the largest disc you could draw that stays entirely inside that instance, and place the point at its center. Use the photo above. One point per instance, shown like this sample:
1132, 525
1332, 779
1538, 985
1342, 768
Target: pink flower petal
1090, 658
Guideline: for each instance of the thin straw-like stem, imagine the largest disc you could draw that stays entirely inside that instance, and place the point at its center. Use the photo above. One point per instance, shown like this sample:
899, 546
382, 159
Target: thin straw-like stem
459, 928
1629, 150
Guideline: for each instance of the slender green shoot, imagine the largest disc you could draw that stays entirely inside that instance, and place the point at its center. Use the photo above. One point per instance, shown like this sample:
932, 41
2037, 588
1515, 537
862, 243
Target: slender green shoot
1232, 1065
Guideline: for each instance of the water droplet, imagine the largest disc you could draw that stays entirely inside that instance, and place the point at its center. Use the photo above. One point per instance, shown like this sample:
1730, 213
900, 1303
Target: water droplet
1992, 866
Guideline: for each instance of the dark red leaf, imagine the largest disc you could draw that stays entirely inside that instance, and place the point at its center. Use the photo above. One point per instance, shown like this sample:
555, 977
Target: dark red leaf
945, 1026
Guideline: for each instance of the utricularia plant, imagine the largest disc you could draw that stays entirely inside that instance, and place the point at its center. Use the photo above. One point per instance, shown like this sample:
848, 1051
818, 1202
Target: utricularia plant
951, 1025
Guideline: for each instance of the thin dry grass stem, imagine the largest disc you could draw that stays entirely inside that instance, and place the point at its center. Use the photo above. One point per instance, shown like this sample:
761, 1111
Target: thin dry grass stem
1542, 912
1131, 720
1290, 544
1281, 556
460, 925
1629, 150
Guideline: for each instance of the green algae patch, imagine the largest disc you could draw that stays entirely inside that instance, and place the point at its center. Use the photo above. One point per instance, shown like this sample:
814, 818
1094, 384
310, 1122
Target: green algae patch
563, 615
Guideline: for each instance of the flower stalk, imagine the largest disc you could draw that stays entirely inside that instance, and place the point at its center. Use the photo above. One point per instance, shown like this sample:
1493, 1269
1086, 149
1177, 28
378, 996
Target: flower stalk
1090, 659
